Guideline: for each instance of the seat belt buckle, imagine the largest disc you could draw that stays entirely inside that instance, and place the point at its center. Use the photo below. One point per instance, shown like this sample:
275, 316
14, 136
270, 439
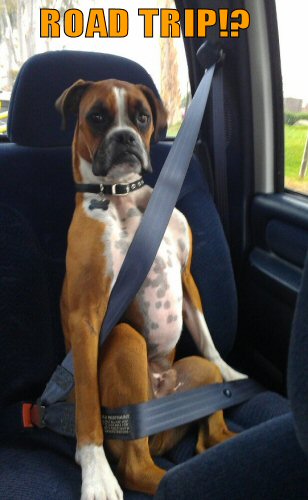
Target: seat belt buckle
210, 53
33, 415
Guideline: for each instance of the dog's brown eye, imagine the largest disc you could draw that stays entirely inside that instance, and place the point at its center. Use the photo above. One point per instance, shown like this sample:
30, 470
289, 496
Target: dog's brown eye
97, 117
142, 118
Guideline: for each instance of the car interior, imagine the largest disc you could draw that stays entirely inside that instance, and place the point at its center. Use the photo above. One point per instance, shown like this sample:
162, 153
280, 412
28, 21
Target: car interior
248, 262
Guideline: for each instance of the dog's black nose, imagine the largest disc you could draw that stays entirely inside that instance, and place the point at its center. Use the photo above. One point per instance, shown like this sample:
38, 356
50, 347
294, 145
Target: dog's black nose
124, 137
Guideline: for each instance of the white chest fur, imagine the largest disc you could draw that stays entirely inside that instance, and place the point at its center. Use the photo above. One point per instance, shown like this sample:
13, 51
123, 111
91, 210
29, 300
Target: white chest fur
160, 299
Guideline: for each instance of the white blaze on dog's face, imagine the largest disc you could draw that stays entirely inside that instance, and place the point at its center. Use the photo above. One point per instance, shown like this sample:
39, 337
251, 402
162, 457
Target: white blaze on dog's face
116, 123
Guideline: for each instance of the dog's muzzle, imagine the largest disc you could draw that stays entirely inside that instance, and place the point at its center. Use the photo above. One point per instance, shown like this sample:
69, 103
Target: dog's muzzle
122, 148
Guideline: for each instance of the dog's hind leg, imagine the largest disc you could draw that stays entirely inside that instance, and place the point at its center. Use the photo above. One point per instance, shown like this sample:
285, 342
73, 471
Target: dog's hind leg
124, 379
193, 372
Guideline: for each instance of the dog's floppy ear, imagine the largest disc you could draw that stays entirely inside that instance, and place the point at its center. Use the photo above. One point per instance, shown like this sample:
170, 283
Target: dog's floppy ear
159, 113
69, 100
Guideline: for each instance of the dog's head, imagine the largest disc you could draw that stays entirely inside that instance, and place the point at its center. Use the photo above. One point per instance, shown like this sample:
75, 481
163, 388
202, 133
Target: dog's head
116, 123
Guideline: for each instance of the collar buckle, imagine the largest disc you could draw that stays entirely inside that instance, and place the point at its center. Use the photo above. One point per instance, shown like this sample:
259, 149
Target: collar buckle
125, 187
113, 189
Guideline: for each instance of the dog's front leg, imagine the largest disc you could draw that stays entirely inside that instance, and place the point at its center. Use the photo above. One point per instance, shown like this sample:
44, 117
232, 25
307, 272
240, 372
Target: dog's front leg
98, 481
196, 324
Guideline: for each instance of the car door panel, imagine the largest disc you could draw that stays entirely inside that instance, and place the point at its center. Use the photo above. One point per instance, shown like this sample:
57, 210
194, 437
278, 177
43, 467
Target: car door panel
272, 280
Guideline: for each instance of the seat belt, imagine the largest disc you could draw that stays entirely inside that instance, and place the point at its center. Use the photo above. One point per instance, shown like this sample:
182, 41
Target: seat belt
220, 171
173, 410
220, 151
157, 415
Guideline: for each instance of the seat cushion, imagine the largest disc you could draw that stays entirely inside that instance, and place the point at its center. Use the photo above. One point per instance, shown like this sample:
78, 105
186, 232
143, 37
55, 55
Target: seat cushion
298, 364
263, 462
39, 464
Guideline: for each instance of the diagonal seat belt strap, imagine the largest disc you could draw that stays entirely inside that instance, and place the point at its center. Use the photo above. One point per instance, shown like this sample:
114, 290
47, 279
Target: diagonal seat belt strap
147, 239
155, 219
220, 150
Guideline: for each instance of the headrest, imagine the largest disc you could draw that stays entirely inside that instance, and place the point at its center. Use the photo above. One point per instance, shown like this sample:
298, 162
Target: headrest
33, 119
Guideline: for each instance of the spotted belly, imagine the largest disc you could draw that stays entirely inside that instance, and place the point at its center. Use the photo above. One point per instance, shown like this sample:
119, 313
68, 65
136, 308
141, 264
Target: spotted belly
156, 311
160, 301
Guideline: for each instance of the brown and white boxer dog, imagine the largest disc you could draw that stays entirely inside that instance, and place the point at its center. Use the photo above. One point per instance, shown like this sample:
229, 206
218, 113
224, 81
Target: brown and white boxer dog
116, 122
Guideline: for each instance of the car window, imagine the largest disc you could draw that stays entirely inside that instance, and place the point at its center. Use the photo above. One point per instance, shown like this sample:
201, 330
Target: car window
292, 25
163, 58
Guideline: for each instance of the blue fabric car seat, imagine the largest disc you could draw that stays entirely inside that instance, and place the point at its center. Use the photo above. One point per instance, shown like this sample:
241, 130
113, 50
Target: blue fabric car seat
298, 364
37, 202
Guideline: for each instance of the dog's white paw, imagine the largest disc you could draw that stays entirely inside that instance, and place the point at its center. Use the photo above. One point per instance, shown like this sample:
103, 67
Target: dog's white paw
228, 373
98, 481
